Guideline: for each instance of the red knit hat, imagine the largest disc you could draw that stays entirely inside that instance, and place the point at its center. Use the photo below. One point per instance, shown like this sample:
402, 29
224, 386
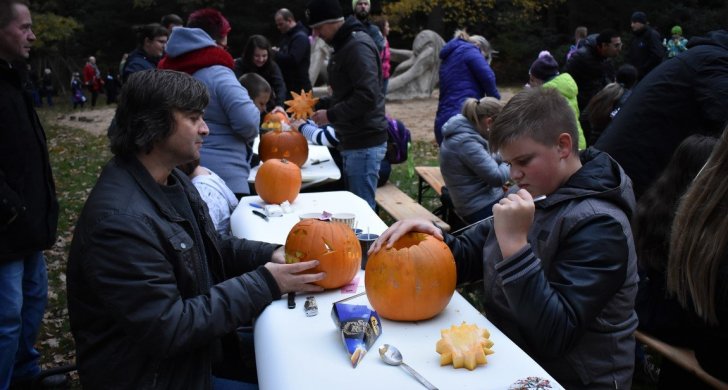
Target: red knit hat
211, 21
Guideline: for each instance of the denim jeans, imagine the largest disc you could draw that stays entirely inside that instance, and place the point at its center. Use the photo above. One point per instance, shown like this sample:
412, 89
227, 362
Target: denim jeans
23, 296
361, 168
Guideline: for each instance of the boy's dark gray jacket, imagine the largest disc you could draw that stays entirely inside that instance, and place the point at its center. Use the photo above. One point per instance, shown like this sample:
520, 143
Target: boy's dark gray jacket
356, 108
567, 298
147, 311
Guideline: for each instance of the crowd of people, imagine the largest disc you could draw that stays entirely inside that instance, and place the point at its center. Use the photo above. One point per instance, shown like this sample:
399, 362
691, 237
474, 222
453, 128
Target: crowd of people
627, 165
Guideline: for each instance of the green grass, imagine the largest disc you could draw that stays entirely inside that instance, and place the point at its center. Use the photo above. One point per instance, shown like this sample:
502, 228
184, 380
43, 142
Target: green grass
76, 158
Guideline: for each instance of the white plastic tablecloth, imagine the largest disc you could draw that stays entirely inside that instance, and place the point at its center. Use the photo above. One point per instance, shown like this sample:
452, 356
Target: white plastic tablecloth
294, 351
245, 224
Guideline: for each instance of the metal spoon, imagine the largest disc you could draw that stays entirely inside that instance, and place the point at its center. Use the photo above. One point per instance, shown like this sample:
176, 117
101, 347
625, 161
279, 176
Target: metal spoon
393, 357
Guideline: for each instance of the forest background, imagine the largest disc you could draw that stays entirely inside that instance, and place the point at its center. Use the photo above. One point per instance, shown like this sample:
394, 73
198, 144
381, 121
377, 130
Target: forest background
69, 31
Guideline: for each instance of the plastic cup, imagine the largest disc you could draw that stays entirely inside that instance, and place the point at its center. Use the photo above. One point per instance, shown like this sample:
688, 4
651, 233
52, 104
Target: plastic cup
366, 240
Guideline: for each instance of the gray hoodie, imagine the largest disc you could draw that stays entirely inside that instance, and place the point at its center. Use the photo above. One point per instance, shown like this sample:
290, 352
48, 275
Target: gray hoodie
472, 175
232, 116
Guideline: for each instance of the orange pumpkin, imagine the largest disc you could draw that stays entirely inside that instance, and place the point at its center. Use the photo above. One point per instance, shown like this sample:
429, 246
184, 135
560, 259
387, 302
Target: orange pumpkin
278, 180
276, 117
333, 244
288, 144
275, 120
412, 281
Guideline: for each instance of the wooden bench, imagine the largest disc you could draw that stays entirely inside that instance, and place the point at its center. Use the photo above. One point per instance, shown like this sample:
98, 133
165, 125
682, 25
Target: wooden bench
683, 357
400, 206
429, 177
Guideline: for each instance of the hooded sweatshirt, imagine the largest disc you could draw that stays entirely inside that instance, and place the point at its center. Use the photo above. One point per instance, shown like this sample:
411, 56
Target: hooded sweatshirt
474, 177
566, 86
567, 297
232, 116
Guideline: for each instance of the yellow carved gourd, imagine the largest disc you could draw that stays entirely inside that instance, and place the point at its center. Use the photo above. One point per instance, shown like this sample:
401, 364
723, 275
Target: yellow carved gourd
464, 345
301, 106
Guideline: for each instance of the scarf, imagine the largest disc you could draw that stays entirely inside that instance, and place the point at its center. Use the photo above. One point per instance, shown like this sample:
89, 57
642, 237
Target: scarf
198, 59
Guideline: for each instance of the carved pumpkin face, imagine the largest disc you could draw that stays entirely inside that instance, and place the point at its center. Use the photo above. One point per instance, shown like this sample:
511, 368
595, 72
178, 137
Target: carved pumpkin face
275, 120
278, 180
284, 144
412, 281
333, 244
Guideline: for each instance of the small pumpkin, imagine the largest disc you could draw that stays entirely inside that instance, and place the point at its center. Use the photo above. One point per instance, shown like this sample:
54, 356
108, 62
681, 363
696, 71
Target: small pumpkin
465, 345
278, 180
333, 244
276, 116
301, 106
275, 120
412, 281
288, 144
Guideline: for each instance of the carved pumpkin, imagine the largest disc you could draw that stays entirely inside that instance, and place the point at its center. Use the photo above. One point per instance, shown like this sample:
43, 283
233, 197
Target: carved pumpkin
287, 144
275, 120
333, 244
412, 281
278, 180
301, 106
464, 346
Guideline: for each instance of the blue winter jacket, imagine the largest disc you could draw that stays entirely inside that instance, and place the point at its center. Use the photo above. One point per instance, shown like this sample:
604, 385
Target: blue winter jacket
464, 73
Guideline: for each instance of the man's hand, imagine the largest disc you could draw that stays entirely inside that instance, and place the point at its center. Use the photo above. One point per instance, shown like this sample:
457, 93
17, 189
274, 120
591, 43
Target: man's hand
279, 256
512, 219
320, 117
288, 278
400, 228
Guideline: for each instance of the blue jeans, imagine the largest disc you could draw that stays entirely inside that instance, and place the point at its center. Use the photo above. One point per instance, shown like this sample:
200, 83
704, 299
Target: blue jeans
23, 296
361, 168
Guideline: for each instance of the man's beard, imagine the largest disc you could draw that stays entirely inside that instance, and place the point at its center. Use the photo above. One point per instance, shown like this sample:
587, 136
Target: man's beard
362, 15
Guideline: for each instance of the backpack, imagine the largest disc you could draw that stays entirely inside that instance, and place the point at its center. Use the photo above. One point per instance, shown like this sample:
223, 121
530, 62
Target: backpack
397, 141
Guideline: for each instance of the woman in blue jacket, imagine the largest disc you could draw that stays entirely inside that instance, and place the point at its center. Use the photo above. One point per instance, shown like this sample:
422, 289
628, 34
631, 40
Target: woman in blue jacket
464, 73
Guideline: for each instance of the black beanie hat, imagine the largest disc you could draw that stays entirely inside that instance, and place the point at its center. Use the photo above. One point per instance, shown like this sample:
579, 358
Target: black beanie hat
639, 17
319, 12
545, 67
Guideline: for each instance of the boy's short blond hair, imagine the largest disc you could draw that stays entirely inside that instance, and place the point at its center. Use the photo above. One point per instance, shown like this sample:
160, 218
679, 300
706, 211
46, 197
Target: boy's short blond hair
539, 113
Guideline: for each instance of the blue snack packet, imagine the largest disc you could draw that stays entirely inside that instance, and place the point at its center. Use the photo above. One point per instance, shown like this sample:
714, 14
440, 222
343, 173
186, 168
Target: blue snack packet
359, 327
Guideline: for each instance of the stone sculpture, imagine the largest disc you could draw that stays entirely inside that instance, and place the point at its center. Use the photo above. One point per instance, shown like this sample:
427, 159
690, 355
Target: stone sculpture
416, 76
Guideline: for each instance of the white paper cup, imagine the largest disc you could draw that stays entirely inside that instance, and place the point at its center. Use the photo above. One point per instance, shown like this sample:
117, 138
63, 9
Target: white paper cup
345, 218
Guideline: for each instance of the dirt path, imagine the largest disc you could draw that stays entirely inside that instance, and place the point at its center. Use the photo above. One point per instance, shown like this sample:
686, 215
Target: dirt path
95, 121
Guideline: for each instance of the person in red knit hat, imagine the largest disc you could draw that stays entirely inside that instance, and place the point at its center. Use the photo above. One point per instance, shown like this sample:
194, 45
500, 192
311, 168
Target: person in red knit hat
200, 50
